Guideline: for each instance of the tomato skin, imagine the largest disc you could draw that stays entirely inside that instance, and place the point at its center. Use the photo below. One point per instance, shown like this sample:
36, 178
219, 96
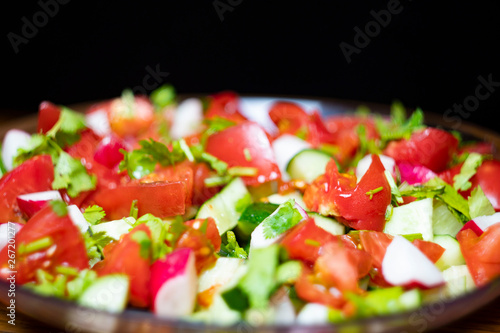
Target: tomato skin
487, 176
201, 192
431, 147
345, 134
230, 145
125, 258
34, 175
162, 199
48, 115
310, 290
225, 105
431, 250
290, 118
68, 247
481, 253
201, 243
339, 195
182, 172
211, 231
341, 266
125, 122
298, 245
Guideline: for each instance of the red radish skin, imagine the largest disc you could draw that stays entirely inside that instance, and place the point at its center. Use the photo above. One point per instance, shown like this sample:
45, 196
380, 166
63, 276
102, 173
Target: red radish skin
173, 284
414, 174
481, 223
108, 151
33, 202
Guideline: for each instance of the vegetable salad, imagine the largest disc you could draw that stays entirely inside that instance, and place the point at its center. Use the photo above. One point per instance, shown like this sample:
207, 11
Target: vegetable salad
190, 210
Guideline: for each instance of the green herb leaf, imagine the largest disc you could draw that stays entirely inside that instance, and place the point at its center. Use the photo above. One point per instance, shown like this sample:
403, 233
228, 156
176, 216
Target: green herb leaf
141, 162
163, 96
70, 174
39, 144
94, 214
467, 171
230, 247
479, 205
160, 232
142, 238
284, 218
398, 127
59, 207
66, 130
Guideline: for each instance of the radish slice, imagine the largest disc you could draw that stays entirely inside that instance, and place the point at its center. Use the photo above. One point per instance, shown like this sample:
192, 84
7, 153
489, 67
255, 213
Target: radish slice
302, 211
187, 118
13, 140
364, 164
98, 122
77, 218
7, 231
405, 265
174, 284
481, 223
32, 202
414, 174
285, 147
108, 151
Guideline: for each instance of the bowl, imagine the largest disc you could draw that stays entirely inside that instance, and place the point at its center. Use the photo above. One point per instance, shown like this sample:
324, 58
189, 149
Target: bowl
70, 317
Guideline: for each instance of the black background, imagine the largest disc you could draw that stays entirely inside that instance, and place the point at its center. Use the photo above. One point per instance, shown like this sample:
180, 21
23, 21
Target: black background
428, 55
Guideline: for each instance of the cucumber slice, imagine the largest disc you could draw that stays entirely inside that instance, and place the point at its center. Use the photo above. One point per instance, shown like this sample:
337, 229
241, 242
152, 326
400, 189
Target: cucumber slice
328, 224
114, 229
458, 280
108, 293
452, 255
308, 164
227, 205
282, 198
411, 299
412, 218
219, 274
443, 221
253, 216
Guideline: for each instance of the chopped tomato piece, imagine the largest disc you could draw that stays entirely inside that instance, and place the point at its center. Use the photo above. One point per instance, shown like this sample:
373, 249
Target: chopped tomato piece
63, 246
306, 241
209, 228
162, 199
127, 119
292, 119
345, 134
201, 192
431, 147
481, 253
130, 257
182, 172
361, 206
48, 115
245, 145
310, 290
201, 242
341, 266
34, 175
225, 105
